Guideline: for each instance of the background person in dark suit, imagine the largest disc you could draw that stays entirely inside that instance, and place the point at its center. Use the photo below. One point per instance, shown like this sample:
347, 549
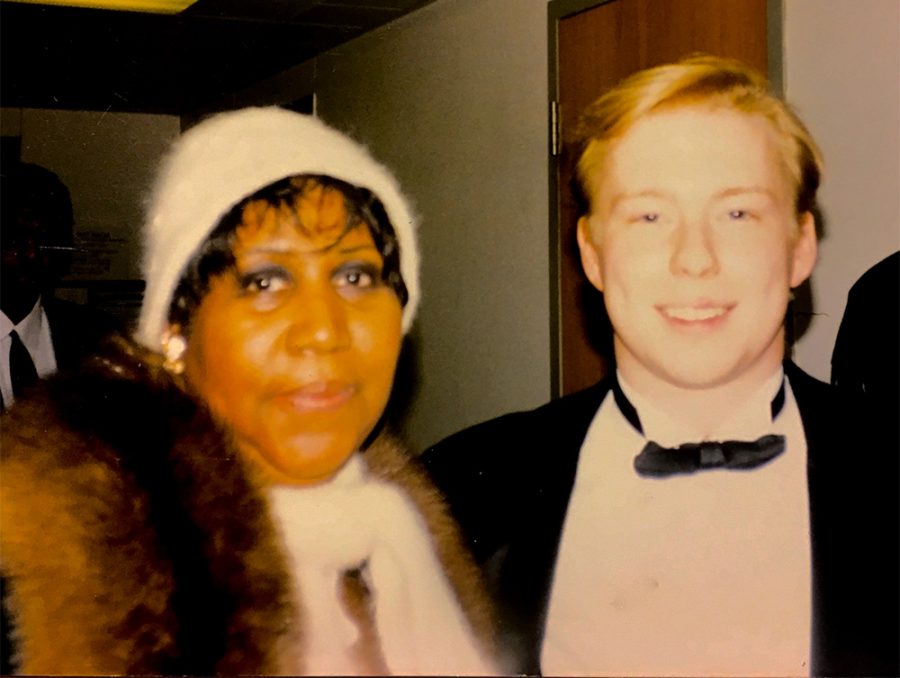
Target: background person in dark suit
39, 334
709, 509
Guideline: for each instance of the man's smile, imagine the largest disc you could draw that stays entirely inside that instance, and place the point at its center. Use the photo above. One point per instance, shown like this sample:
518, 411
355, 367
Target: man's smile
700, 312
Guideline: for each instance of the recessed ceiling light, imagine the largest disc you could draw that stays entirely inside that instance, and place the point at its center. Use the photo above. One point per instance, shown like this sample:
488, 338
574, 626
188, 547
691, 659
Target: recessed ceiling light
156, 6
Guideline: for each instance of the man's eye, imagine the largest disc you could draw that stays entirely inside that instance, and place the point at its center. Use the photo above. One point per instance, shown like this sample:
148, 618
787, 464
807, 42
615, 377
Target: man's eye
646, 218
738, 215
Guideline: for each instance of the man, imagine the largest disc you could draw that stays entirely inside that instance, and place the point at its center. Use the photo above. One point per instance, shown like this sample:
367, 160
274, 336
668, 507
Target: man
38, 334
609, 550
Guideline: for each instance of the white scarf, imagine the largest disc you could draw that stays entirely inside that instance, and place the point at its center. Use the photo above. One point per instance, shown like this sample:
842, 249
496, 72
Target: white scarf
355, 519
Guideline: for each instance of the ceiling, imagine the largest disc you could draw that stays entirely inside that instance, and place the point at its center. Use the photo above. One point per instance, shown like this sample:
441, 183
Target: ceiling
61, 57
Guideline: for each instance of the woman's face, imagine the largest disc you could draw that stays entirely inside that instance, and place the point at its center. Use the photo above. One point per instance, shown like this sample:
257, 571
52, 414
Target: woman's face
294, 349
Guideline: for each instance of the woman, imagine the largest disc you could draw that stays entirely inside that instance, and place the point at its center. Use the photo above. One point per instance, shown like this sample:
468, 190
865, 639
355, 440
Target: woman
195, 502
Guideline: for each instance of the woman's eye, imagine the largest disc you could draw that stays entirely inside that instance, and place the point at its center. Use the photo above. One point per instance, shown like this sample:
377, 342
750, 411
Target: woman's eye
357, 276
263, 281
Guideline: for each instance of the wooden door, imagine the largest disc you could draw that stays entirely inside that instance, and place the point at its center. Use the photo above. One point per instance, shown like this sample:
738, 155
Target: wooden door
595, 45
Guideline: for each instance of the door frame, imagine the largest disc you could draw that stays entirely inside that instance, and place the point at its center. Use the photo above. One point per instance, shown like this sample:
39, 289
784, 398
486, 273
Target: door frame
556, 11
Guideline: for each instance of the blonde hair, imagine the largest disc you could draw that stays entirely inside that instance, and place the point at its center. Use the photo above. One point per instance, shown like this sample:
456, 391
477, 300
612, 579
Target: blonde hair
708, 81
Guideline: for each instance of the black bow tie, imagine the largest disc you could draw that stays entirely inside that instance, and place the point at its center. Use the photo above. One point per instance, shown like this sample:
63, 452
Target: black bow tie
659, 462
656, 461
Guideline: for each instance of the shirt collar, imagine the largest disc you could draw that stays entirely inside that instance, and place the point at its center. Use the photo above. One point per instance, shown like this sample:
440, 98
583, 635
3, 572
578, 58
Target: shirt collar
6, 325
30, 327
748, 421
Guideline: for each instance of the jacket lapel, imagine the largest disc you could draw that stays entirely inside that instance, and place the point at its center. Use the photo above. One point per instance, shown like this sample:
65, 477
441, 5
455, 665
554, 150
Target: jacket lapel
528, 562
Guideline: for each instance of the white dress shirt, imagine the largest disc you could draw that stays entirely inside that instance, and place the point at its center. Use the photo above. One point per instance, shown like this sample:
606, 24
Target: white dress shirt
703, 574
34, 331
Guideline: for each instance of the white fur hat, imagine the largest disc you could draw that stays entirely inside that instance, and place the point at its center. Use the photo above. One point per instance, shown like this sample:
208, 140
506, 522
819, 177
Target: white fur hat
230, 156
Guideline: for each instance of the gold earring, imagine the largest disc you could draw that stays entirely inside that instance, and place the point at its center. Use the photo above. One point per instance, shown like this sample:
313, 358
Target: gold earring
174, 346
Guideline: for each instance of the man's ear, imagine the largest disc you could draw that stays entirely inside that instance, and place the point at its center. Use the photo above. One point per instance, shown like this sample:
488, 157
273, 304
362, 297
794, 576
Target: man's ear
806, 249
590, 255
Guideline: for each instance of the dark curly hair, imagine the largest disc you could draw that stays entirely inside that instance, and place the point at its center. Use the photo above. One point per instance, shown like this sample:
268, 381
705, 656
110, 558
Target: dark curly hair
216, 254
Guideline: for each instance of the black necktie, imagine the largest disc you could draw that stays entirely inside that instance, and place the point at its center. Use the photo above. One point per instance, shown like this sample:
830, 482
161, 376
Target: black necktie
656, 461
21, 367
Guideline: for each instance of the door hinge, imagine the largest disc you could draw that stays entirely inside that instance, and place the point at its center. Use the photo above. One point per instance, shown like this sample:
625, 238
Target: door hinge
554, 129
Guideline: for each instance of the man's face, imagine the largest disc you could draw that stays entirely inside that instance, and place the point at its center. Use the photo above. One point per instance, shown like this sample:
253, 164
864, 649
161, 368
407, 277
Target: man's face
695, 243
25, 267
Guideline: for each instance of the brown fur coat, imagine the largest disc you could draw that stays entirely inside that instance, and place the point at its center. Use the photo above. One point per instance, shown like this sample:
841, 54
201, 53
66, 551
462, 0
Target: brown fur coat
134, 540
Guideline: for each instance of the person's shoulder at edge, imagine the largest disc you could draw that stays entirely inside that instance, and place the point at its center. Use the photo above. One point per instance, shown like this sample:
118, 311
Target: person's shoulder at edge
883, 276
822, 401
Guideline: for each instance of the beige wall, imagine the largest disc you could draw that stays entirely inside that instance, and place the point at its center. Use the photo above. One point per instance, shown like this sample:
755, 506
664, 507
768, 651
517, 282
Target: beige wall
453, 98
842, 70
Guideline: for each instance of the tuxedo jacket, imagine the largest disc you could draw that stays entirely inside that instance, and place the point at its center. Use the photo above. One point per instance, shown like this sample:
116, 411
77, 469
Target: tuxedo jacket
508, 482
